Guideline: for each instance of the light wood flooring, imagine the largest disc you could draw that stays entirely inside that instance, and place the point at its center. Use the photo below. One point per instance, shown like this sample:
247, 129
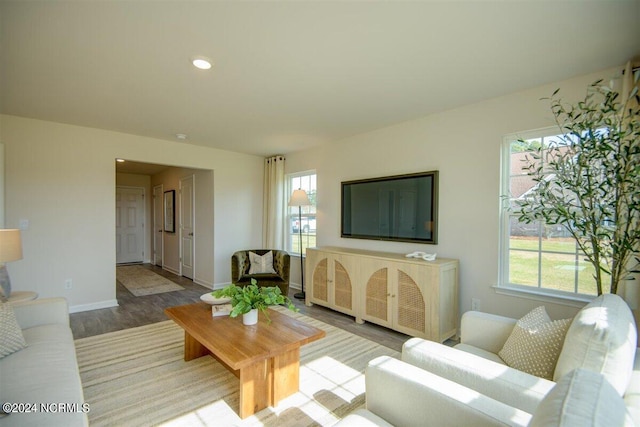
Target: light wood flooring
138, 311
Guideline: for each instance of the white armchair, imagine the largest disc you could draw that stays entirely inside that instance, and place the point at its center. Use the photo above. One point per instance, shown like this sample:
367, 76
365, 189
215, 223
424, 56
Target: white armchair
596, 380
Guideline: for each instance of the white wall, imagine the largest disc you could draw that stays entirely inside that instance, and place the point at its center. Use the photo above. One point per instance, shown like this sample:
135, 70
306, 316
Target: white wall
464, 145
62, 179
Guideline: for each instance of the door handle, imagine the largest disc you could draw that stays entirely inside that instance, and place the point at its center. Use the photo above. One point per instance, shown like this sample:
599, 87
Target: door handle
159, 231
190, 234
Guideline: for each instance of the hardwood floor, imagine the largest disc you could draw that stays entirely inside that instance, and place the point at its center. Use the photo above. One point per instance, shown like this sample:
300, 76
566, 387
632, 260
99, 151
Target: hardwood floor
138, 311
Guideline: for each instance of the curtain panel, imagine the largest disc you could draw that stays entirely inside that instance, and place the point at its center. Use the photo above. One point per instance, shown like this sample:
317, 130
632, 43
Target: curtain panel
275, 205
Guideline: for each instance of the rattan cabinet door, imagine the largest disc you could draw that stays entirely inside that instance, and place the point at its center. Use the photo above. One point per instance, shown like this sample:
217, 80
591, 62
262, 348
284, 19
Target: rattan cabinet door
342, 294
377, 292
317, 278
331, 279
410, 308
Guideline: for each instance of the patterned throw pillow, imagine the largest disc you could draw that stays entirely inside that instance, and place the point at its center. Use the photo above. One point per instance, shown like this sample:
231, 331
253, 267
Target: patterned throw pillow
11, 339
261, 264
535, 343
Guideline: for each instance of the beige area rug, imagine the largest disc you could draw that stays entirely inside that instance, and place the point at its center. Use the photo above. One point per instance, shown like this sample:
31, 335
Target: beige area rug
137, 377
141, 281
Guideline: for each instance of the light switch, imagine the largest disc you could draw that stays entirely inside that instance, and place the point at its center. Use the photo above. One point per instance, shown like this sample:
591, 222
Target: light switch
24, 224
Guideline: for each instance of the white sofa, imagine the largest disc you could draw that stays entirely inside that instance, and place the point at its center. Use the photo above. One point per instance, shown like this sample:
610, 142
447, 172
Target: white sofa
596, 379
45, 371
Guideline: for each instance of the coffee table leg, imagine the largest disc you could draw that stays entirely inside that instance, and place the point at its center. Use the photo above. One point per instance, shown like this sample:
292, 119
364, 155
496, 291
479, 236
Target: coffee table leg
255, 388
192, 348
286, 375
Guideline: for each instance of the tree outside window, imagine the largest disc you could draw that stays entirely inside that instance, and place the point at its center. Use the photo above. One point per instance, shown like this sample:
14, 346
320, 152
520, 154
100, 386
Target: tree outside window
537, 255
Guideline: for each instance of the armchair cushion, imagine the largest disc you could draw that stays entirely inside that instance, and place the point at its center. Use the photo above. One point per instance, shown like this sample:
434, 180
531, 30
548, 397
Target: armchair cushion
261, 263
495, 380
405, 395
535, 343
602, 338
582, 399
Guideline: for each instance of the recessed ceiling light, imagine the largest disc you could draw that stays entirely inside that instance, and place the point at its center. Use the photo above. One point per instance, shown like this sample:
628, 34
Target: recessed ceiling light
201, 62
120, 160
181, 136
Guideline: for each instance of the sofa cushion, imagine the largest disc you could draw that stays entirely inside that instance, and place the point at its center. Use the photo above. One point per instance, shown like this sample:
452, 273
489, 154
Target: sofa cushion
46, 371
582, 398
11, 338
602, 338
261, 264
535, 343
495, 380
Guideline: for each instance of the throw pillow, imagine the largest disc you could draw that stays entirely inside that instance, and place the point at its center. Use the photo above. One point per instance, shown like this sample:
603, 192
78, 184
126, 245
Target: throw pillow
582, 399
261, 264
535, 343
11, 338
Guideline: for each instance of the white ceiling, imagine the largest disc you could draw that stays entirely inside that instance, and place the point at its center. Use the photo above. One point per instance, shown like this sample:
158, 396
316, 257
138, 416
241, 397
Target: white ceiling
290, 75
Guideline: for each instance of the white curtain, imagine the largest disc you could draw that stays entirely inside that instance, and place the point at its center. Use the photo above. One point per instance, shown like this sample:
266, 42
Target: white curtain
275, 204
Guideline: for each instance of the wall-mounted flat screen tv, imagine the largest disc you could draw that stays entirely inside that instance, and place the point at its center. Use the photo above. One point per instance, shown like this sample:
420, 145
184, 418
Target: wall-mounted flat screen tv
400, 208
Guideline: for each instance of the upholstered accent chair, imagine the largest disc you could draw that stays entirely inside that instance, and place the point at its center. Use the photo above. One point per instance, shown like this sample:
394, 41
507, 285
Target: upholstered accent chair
241, 266
595, 382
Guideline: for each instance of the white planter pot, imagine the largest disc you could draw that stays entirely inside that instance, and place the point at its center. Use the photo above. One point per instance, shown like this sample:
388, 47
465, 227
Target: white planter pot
250, 318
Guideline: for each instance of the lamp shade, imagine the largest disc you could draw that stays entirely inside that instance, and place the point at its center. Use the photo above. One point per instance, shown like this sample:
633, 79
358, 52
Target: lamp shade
10, 245
299, 198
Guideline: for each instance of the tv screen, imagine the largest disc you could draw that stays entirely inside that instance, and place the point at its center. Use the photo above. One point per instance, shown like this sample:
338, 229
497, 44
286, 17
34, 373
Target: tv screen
401, 208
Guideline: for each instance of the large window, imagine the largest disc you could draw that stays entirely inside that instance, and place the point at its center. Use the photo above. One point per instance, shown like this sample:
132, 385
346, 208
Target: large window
536, 257
302, 228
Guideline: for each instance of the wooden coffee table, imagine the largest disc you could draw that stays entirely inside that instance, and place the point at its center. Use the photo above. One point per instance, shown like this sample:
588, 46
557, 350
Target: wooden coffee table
265, 357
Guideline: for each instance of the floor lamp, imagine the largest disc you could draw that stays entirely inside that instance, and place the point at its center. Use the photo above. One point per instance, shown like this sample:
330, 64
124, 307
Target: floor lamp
299, 198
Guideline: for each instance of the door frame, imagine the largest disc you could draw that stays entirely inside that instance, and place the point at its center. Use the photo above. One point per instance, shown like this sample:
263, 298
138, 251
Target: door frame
192, 178
155, 226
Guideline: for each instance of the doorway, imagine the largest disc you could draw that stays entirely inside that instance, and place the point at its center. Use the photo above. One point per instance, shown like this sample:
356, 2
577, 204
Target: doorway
167, 249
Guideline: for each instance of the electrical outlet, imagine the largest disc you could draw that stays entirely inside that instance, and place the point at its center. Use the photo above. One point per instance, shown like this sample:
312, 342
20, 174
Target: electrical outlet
475, 304
68, 284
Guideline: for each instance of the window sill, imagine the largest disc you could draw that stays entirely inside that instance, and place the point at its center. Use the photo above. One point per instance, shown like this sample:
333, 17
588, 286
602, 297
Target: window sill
572, 300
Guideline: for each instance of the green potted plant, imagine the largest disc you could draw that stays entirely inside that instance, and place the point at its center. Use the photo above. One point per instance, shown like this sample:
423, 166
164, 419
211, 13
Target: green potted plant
588, 181
249, 299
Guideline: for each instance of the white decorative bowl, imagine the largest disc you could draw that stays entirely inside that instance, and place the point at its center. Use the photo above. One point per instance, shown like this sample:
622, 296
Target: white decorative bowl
210, 299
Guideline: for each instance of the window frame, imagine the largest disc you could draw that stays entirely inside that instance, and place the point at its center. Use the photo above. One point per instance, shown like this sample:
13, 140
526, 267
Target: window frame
289, 217
504, 286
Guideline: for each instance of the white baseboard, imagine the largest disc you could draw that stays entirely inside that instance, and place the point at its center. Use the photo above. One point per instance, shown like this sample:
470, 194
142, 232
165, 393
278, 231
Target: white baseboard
295, 286
204, 283
93, 306
220, 285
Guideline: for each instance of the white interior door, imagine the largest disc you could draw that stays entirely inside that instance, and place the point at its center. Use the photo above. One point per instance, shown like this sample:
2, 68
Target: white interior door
129, 224
157, 224
187, 237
